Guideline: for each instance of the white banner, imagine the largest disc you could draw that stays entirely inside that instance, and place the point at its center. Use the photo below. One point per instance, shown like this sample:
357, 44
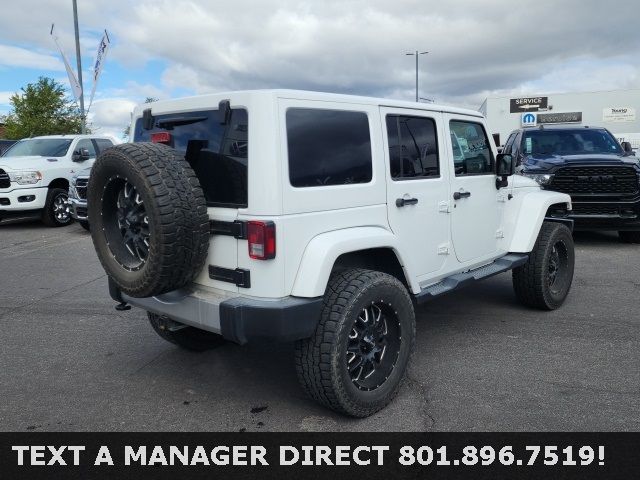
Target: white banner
103, 47
76, 88
618, 114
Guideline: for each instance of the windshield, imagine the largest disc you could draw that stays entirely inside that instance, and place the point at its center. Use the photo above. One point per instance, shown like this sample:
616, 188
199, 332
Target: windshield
44, 147
569, 142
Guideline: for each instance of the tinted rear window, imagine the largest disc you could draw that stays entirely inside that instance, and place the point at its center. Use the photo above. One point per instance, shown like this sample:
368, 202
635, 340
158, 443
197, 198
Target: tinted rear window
217, 153
328, 147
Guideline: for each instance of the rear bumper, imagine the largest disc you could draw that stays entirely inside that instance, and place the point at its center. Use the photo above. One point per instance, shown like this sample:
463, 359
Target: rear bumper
238, 319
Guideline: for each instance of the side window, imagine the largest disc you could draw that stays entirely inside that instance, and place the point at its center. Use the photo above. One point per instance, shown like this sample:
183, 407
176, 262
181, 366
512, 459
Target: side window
88, 144
471, 149
103, 144
413, 147
328, 147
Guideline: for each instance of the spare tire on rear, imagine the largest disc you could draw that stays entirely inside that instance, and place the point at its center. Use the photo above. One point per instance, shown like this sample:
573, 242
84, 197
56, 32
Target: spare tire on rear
148, 217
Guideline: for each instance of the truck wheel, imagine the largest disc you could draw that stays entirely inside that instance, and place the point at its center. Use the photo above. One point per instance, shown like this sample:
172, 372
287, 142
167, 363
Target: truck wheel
56, 211
84, 224
148, 217
629, 237
544, 281
356, 359
189, 338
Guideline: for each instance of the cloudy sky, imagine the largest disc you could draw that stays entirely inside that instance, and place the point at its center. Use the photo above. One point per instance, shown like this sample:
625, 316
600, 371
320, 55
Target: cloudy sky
171, 48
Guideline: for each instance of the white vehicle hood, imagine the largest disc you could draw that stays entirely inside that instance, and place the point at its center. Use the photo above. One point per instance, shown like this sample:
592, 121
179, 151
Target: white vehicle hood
29, 163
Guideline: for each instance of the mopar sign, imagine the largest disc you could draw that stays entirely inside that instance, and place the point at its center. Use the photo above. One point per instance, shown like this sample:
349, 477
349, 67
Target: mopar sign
528, 119
528, 104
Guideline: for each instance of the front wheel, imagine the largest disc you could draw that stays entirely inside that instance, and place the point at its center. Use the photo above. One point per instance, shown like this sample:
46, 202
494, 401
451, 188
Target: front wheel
356, 359
56, 211
545, 280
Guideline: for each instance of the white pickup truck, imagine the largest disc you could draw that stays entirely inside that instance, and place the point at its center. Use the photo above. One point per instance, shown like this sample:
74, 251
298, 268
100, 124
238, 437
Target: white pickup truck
35, 174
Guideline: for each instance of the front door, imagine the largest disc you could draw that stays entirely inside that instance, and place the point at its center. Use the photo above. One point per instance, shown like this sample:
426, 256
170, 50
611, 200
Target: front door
477, 209
417, 186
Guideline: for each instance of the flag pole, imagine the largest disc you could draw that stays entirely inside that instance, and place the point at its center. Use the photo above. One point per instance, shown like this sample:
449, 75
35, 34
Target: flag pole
79, 60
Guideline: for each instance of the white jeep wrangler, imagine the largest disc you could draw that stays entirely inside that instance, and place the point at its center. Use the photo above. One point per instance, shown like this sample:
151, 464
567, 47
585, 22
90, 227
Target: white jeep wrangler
317, 218
35, 174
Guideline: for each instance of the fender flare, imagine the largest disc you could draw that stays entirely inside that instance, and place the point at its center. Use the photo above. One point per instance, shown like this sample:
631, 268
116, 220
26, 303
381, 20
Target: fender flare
531, 214
323, 250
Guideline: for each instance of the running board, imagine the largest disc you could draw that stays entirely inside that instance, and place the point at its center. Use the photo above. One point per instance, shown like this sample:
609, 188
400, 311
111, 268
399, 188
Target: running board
459, 280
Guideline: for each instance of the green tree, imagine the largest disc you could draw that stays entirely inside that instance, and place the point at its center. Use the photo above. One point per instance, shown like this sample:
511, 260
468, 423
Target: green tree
42, 108
127, 129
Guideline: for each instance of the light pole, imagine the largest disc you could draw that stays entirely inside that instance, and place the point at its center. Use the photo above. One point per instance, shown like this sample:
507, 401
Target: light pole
417, 54
79, 60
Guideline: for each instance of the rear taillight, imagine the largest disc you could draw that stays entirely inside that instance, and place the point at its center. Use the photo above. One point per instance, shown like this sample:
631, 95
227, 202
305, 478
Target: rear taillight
262, 239
161, 137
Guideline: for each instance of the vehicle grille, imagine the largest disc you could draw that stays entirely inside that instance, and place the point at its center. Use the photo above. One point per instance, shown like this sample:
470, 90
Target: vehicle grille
602, 180
587, 209
4, 179
81, 187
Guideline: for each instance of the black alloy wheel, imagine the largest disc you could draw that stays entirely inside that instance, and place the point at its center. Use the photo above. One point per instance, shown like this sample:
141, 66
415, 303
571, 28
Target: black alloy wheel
558, 267
126, 224
60, 206
374, 346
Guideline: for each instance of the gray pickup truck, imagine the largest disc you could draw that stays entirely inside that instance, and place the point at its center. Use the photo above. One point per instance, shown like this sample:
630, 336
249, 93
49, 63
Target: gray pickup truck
78, 197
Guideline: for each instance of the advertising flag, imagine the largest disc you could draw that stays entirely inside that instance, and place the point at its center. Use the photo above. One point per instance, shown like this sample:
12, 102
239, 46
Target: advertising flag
76, 88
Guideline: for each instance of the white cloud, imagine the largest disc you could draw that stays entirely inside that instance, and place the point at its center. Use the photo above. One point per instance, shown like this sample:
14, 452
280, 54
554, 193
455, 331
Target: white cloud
16, 57
111, 116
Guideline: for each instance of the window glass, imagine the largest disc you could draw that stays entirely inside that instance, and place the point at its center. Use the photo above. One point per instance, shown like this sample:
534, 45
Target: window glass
569, 142
88, 144
413, 147
217, 153
471, 149
328, 147
103, 143
509, 143
44, 147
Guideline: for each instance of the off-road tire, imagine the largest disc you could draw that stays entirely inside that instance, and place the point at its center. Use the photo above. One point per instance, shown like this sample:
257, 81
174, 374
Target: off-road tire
174, 203
629, 236
84, 224
321, 361
189, 338
48, 214
531, 281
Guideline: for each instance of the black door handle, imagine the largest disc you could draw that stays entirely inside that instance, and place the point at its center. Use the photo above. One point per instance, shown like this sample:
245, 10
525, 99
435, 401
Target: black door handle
401, 202
459, 195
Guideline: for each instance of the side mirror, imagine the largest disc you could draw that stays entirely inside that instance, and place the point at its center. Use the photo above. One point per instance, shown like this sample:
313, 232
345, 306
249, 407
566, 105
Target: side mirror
505, 167
80, 155
626, 146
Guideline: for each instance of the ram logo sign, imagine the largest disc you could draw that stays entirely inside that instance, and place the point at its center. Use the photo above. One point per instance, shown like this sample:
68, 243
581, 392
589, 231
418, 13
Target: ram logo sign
528, 119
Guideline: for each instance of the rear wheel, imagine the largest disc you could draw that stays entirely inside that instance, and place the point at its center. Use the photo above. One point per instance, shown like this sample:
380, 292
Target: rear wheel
356, 359
545, 280
629, 236
56, 211
189, 338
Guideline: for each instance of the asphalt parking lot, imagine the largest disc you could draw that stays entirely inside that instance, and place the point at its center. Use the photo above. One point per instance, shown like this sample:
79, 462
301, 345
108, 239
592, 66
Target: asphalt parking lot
69, 361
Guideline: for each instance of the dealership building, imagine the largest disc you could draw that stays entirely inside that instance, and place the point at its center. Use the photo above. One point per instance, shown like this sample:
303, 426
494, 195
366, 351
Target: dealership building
616, 110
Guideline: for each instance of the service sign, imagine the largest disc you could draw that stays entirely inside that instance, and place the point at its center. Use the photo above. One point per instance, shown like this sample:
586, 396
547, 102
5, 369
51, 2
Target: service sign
528, 104
618, 114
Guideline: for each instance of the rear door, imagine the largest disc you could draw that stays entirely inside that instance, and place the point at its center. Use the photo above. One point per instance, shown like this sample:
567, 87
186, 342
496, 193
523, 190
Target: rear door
417, 186
218, 153
477, 204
